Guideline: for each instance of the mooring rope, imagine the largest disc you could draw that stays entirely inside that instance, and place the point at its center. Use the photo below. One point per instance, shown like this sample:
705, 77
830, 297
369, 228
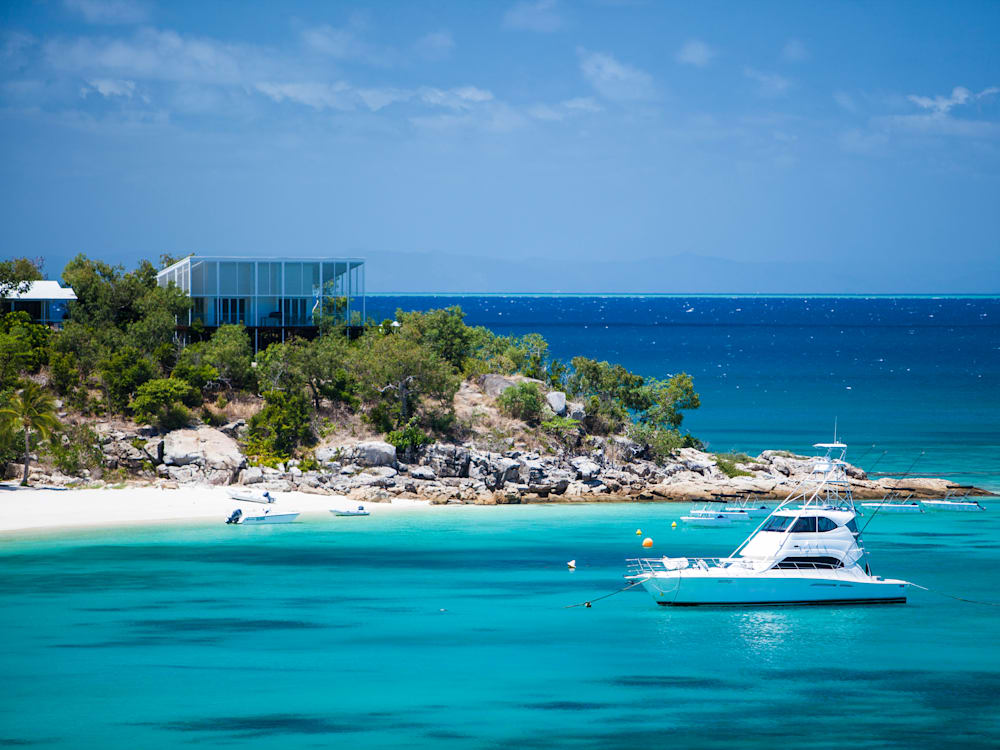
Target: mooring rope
591, 601
958, 598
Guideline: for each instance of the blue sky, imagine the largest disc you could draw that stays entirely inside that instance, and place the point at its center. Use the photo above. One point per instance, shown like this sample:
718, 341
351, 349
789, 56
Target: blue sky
784, 134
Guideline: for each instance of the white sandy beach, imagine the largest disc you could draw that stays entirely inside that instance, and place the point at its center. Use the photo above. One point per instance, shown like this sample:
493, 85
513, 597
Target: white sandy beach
30, 508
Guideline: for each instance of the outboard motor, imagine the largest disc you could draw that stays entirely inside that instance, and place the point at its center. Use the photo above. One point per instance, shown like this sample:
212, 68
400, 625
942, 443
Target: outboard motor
235, 516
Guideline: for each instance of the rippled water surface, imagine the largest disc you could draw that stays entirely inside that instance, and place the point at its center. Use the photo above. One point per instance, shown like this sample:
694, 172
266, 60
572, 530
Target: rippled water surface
448, 628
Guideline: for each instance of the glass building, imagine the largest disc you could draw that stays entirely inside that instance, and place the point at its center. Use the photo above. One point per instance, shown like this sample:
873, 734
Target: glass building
269, 294
45, 301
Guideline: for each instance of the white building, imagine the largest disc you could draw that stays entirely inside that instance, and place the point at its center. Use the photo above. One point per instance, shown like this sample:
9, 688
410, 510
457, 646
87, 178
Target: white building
45, 301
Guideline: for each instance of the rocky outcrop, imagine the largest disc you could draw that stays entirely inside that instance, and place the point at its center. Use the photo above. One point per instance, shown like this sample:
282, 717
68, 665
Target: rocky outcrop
201, 454
557, 402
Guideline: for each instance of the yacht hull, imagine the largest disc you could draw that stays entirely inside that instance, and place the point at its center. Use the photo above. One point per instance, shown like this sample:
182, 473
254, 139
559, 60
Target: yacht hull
268, 519
686, 589
894, 507
973, 507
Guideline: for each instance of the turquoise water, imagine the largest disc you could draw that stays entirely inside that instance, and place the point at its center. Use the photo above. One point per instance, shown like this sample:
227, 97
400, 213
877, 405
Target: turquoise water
448, 628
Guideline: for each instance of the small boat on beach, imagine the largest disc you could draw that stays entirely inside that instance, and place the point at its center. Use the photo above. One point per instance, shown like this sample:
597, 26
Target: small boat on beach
249, 496
807, 551
237, 517
359, 512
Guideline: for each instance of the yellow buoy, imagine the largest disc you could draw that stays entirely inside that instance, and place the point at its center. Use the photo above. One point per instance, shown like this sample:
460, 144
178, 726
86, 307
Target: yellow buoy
673, 525
647, 542
638, 532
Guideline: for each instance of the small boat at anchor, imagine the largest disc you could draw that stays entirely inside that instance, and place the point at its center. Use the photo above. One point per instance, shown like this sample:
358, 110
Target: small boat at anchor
894, 504
701, 517
359, 512
239, 518
960, 503
807, 551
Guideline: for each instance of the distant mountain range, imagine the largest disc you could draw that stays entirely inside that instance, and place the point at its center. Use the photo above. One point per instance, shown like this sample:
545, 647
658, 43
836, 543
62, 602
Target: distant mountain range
675, 274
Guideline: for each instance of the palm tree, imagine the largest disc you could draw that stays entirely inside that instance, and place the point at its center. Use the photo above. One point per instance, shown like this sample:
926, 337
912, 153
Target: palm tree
29, 409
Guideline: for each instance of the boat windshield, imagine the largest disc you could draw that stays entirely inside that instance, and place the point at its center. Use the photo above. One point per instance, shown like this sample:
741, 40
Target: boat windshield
777, 523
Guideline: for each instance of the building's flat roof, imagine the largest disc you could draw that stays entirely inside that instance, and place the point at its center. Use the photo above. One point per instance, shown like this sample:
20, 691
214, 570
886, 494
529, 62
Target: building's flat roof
43, 290
264, 259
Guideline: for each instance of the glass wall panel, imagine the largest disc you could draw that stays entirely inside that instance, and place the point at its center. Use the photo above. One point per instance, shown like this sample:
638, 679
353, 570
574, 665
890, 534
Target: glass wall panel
246, 278
269, 312
263, 278
182, 278
211, 278
293, 278
310, 278
198, 279
275, 278
227, 279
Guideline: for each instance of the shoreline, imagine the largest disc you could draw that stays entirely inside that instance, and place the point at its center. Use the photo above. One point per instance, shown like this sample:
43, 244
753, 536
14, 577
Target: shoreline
48, 509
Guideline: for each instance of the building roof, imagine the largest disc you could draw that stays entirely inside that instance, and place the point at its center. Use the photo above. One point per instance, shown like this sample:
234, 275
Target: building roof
43, 290
262, 259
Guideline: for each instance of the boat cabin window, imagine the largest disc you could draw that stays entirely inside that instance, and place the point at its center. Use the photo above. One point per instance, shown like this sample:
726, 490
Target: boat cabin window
777, 523
852, 527
825, 524
804, 524
809, 562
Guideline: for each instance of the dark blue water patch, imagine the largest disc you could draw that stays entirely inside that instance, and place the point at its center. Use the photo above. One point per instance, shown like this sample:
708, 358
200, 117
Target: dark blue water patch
569, 706
220, 625
282, 724
678, 682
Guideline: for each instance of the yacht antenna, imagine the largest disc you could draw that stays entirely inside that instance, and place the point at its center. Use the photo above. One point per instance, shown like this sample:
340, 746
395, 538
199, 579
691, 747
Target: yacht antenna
835, 429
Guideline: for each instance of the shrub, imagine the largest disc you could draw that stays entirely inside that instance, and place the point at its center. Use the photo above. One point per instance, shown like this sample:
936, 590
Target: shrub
523, 401
79, 449
728, 467
408, 439
280, 427
563, 429
661, 444
162, 402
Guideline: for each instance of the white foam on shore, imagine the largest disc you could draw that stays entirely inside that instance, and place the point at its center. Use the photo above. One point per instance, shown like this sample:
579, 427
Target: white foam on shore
41, 508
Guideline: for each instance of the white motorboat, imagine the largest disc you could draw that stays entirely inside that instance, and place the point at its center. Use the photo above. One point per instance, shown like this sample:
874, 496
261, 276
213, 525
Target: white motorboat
807, 551
249, 496
359, 512
751, 507
710, 511
961, 504
894, 504
238, 517
700, 518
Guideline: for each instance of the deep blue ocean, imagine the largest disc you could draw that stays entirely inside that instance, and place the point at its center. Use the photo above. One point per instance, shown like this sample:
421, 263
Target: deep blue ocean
901, 376
449, 628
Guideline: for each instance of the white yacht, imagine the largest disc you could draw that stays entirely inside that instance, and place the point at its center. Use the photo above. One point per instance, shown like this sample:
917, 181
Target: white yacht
892, 503
807, 551
953, 502
707, 517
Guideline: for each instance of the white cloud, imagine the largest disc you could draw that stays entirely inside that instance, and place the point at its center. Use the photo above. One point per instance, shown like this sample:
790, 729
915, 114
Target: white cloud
768, 84
845, 100
695, 52
944, 104
563, 110
345, 97
938, 124
316, 95
108, 87
463, 97
109, 12
615, 80
794, 51
345, 44
541, 16
435, 46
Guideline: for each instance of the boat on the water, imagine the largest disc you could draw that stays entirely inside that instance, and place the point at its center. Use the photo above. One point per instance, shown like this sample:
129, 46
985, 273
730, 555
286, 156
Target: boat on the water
952, 502
892, 503
807, 551
359, 512
238, 517
700, 517
249, 496
752, 507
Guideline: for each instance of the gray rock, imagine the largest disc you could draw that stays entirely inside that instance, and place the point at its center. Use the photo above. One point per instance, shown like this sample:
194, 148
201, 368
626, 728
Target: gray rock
575, 410
154, 448
557, 402
251, 475
447, 460
205, 448
585, 468
374, 453
328, 453
493, 385
422, 472
506, 470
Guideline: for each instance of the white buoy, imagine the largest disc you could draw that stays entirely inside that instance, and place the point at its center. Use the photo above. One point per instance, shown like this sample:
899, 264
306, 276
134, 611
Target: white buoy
571, 565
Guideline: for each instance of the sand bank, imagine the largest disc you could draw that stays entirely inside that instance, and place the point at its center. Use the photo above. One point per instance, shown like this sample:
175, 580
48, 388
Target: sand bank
41, 508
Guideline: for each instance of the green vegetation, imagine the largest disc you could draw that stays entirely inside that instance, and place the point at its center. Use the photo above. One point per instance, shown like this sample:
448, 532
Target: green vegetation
29, 410
523, 401
727, 464
117, 356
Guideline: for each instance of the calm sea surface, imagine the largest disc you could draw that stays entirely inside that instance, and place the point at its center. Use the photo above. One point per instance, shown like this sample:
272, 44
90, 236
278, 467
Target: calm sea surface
447, 628
900, 375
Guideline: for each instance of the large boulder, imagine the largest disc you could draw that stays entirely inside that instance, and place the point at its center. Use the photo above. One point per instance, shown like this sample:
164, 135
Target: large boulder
203, 447
374, 453
575, 410
585, 468
557, 402
447, 460
493, 385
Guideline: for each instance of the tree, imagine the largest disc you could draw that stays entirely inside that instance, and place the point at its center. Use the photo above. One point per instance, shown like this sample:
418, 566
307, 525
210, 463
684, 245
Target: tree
666, 399
122, 374
280, 427
442, 331
522, 401
395, 374
163, 401
17, 274
228, 351
193, 368
30, 409
610, 391
23, 346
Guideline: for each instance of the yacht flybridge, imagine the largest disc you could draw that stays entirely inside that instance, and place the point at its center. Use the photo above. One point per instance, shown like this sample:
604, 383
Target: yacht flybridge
807, 551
